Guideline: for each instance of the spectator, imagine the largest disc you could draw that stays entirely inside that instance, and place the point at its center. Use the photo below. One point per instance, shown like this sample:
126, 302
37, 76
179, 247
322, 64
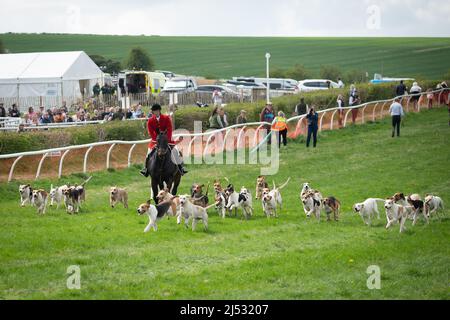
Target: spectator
415, 91
341, 105
64, 107
267, 115
110, 115
444, 96
81, 116
96, 89
328, 84
118, 115
50, 115
105, 89
45, 118
340, 83
35, 119
242, 118
396, 111
313, 127
59, 117
301, 108
138, 112
215, 120
21, 128
95, 116
41, 110
352, 102
217, 98
401, 89
430, 98
129, 113
2, 111
223, 116
280, 125
15, 113
31, 112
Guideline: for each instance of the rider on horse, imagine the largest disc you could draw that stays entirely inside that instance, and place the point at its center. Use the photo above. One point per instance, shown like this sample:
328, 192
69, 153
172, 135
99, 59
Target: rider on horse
156, 124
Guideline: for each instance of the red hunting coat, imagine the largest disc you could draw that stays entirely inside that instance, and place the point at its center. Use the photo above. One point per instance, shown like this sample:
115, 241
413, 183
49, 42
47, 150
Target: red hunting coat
154, 126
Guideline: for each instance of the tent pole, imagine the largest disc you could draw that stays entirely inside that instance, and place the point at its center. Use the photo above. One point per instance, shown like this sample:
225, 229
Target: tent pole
62, 93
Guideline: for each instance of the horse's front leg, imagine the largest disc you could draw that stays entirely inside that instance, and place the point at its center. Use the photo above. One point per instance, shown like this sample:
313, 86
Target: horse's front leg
155, 190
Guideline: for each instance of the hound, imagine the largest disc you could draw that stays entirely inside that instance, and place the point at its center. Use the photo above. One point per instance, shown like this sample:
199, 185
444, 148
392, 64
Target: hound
72, 198
118, 195
154, 213
56, 195
190, 211
395, 213
331, 204
433, 204
164, 196
26, 194
220, 198
197, 196
312, 204
399, 198
271, 199
418, 208
261, 184
310, 207
39, 200
239, 200
368, 209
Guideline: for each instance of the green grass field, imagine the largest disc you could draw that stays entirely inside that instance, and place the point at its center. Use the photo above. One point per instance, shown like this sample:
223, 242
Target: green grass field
285, 258
236, 56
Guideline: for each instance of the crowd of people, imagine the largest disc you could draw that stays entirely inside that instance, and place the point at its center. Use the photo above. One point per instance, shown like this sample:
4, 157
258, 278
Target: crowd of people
83, 113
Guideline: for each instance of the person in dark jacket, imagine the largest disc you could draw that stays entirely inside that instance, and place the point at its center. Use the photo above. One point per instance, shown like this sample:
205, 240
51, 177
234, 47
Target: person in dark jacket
267, 115
401, 89
2, 111
313, 127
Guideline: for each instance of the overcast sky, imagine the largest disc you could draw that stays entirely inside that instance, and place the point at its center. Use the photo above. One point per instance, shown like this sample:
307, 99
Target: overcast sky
229, 17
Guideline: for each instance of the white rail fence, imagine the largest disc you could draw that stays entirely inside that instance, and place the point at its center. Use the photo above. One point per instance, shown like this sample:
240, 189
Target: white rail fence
379, 109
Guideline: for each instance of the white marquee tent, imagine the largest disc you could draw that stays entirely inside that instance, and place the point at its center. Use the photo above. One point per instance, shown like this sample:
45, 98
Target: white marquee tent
48, 74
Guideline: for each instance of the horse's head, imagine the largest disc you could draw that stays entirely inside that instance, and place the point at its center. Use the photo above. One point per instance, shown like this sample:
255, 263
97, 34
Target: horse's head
162, 143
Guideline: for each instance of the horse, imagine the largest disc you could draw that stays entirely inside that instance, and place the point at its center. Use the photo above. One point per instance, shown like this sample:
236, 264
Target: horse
162, 168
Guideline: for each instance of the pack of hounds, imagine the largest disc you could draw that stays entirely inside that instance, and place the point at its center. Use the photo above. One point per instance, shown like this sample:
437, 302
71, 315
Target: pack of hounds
228, 201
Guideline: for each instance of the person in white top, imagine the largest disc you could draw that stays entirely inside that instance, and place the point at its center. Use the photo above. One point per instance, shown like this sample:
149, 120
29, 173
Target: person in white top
415, 91
340, 83
396, 111
217, 98
341, 105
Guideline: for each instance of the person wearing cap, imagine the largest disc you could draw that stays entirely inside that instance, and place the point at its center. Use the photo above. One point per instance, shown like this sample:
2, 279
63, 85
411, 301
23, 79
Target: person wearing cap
280, 125
242, 118
159, 123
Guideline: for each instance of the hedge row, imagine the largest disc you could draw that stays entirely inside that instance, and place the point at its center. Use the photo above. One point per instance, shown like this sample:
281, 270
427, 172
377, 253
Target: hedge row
185, 117
12, 142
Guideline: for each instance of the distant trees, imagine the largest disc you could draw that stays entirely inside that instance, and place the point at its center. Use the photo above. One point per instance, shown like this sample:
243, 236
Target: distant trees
330, 73
107, 65
139, 59
297, 72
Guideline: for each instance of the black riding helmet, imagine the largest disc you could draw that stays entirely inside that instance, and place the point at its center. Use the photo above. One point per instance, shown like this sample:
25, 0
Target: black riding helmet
156, 107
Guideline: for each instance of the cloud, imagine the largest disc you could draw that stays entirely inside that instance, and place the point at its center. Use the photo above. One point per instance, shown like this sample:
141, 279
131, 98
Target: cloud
230, 17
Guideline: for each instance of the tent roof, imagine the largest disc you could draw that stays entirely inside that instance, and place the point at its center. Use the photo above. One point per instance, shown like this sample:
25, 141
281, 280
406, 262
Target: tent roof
39, 67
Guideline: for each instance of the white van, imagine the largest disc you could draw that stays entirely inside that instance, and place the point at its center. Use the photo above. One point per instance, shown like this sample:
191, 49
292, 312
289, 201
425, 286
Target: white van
315, 84
275, 83
180, 85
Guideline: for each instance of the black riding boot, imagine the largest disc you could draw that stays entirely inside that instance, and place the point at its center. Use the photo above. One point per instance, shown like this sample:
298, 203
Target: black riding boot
145, 172
183, 171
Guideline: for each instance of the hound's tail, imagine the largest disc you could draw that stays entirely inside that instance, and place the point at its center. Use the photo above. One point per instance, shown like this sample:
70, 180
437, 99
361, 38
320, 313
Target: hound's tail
378, 199
212, 206
283, 185
85, 182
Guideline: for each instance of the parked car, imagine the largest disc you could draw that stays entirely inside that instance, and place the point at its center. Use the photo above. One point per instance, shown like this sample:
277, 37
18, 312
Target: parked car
315, 84
275, 83
212, 88
180, 85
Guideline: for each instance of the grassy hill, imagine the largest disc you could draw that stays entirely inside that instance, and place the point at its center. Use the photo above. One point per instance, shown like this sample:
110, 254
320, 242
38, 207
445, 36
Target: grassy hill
285, 258
216, 57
